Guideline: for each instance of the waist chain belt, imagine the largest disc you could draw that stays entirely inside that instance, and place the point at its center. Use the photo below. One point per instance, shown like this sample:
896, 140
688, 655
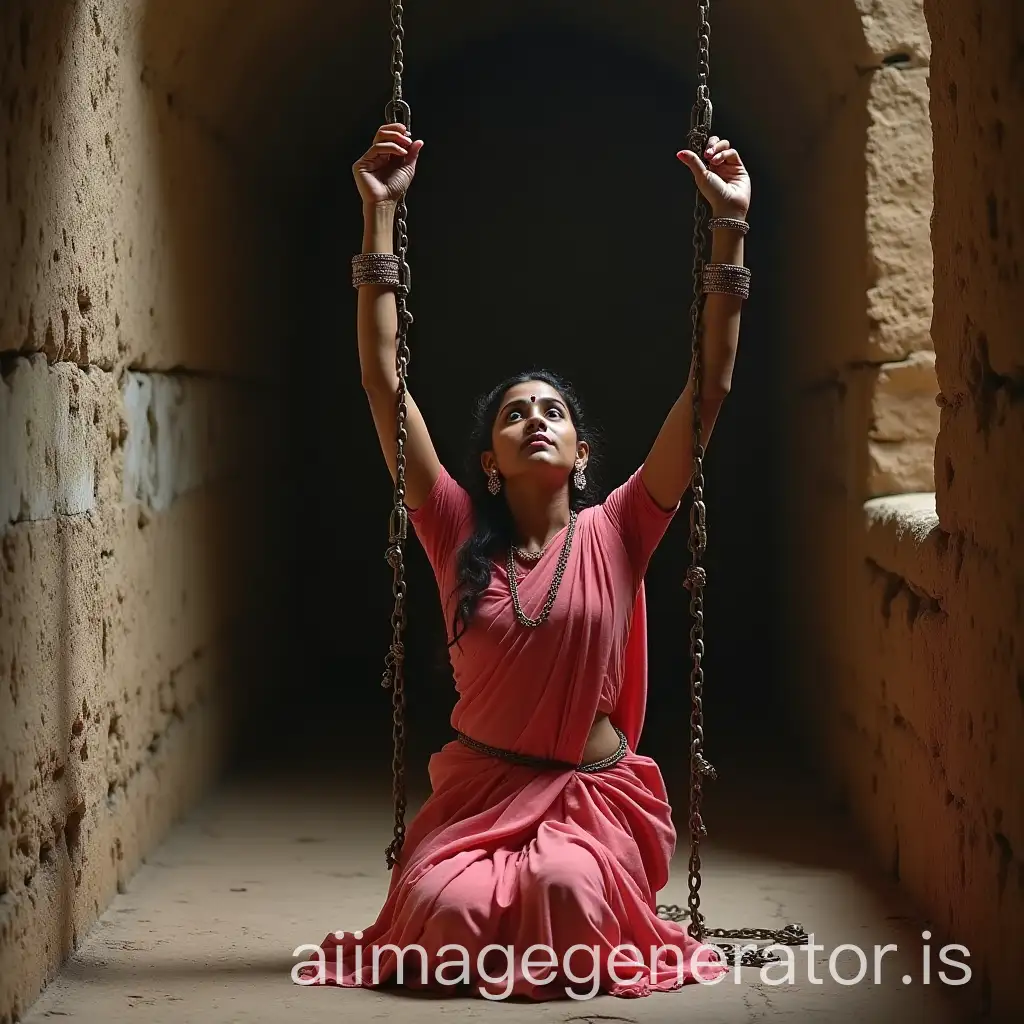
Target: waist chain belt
533, 761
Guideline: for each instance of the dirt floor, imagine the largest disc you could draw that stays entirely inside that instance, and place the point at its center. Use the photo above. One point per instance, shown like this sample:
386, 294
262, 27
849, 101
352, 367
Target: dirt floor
206, 930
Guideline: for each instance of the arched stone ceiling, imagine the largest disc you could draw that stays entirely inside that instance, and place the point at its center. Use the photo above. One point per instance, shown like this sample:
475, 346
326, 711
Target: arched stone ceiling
285, 76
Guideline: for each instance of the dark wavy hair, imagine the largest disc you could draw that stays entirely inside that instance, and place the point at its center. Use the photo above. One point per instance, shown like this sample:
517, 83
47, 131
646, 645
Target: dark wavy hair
493, 529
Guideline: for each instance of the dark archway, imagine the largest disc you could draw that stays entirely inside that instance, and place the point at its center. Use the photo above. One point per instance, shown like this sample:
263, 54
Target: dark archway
550, 224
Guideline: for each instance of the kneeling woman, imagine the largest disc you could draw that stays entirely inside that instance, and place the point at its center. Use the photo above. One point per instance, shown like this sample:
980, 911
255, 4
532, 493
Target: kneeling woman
533, 866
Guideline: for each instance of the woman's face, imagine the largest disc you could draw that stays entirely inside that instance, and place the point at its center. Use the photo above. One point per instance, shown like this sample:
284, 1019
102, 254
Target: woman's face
533, 433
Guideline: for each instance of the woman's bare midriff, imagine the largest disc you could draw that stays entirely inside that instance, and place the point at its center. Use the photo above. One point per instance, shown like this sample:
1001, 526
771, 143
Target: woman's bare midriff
602, 741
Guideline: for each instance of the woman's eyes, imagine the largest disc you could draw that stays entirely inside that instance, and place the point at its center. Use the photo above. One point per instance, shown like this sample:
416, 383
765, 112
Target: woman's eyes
515, 413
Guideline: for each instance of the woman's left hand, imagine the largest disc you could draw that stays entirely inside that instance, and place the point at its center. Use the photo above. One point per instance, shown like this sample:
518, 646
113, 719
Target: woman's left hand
724, 183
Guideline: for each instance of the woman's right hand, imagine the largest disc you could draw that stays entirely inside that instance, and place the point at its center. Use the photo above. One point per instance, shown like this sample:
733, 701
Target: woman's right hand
385, 171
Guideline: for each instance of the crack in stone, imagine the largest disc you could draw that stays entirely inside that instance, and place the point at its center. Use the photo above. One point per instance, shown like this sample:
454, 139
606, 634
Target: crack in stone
757, 1012
591, 1018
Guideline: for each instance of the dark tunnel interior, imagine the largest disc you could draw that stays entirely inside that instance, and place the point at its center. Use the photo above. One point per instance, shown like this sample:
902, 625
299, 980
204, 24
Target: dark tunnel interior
550, 225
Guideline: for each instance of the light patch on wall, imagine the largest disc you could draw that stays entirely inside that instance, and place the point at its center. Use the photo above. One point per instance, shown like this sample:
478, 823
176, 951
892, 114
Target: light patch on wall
177, 435
48, 428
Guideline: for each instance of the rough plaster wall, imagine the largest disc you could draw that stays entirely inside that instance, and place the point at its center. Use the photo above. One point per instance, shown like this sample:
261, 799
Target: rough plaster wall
94, 160
938, 703
120, 256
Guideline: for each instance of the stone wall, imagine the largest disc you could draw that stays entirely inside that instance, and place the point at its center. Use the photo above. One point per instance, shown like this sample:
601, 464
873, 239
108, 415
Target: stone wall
122, 320
945, 580
915, 662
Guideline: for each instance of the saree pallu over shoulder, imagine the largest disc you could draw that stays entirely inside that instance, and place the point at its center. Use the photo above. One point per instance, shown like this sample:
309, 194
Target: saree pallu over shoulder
589, 657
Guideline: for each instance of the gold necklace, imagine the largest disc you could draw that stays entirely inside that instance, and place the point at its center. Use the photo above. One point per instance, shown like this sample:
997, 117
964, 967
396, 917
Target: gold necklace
513, 585
532, 556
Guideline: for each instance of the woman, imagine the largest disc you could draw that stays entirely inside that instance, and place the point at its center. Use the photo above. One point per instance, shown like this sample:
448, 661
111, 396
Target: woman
520, 877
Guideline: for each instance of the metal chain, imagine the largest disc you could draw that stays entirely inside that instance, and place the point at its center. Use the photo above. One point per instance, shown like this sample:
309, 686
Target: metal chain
696, 576
791, 935
513, 584
394, 677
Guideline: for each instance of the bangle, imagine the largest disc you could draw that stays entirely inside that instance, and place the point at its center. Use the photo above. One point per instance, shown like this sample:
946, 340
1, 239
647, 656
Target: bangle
735, 223
726, 278
375, 268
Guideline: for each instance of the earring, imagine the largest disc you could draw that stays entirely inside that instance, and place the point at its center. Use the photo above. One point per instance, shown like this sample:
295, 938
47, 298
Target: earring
493, 482
578, 478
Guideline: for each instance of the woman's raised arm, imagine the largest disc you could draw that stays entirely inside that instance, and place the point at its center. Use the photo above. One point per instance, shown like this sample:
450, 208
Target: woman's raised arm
725, 184
383, 174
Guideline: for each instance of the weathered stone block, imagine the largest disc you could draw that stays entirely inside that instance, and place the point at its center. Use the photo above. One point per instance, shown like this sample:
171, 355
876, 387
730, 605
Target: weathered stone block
903, 404
899, 190
895, 28
900, 467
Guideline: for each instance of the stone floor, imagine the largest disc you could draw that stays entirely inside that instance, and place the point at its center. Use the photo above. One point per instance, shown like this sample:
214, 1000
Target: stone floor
206, 930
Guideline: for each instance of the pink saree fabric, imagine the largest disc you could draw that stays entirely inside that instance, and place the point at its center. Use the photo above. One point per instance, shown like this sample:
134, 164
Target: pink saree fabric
509, 855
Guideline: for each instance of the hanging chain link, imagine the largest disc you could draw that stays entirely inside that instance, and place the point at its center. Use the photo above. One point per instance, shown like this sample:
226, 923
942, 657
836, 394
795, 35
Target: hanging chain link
696, 576
394, 675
